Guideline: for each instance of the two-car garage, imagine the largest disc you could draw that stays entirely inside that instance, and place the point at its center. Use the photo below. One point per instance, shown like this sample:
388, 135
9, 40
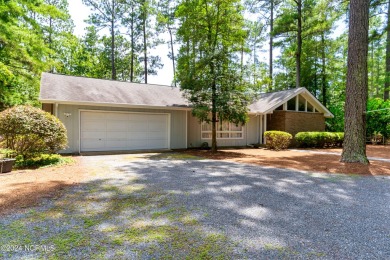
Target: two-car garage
108, 115
122, 131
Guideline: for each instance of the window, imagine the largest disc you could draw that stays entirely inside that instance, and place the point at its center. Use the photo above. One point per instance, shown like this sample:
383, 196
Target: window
225, 130
291, 104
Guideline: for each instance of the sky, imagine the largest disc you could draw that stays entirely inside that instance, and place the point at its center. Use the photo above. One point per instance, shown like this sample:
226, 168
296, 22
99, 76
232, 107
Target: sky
80, 12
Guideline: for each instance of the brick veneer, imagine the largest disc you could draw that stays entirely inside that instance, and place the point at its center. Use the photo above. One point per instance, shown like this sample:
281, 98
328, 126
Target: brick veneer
294, 122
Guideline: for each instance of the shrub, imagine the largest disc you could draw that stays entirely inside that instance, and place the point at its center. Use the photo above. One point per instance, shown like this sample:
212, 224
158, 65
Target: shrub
30, 131
376, 138
277, 140
6, 153
42, 160
319, 139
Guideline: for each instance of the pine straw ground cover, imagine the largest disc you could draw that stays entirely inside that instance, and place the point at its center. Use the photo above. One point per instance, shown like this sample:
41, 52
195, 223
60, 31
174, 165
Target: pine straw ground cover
304, 160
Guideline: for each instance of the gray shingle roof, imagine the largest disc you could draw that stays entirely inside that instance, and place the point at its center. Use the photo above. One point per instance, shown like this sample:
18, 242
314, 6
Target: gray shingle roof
57, 88
61, 88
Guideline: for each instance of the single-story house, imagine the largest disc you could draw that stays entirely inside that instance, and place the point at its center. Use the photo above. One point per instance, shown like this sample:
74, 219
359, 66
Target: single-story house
107, 115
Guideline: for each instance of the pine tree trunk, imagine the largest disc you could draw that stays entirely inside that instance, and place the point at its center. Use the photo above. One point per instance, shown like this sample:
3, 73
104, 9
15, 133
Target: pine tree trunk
387, 82
132, 46
113, 69
214, 118
271, 39
323, 72
50, 40
145, 47
173, 57
299, 45
354, 148
378, 75
371, 76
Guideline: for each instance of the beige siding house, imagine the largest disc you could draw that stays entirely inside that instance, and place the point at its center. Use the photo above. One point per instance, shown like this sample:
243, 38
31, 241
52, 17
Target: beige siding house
106, 115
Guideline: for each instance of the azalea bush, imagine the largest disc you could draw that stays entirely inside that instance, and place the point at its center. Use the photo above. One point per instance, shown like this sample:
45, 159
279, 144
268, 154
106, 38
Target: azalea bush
277, 140
30, 131
319, 139
378, 117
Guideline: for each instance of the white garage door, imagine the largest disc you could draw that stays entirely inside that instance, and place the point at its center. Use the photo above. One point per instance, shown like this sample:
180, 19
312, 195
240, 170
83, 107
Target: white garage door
115, 131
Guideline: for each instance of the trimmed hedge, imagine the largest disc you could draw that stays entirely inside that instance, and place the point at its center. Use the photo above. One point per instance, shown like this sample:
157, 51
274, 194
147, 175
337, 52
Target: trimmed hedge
30, 131
319, 139
277, 140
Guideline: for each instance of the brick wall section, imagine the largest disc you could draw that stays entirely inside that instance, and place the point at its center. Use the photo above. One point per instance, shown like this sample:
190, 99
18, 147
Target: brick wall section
294, 122
276, 121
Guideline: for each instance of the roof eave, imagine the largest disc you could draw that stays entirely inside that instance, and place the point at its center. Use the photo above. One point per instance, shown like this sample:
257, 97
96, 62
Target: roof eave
87, 103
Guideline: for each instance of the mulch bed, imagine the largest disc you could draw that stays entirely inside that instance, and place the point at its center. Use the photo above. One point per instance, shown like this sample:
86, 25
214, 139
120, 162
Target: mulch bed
306, 161
25, 188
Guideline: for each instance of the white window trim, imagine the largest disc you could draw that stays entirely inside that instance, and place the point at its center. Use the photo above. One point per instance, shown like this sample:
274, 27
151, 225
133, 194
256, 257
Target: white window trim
222, 132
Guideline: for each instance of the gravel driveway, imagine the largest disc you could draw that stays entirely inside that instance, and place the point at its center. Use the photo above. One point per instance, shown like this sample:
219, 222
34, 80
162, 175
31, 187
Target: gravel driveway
169, 206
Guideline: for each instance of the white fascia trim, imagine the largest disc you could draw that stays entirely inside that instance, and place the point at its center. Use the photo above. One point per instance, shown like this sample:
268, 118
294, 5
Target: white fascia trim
85, 103
327, 113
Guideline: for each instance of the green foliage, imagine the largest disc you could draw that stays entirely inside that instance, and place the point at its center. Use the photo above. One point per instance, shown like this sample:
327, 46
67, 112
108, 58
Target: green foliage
277, 140
42, 160
6, 153
376, 138
213, 36
30, 131
23, 52
336, 124
378, 117
319, 139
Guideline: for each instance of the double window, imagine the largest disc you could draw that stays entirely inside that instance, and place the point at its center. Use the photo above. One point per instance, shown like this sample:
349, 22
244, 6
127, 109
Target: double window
225, 130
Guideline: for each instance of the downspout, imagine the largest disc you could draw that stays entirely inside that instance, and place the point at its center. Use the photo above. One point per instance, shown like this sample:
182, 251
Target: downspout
246, 134
56, 109
258, 129
265, 127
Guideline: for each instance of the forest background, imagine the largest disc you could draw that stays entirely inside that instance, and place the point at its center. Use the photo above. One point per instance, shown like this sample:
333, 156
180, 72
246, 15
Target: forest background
287, 44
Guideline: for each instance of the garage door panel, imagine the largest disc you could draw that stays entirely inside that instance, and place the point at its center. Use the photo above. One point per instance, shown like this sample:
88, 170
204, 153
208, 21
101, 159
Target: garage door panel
118, 116
141, 126
93, 115
157, 135
116, 145
93, 135
138, 144
115, 125
157, 126
93, 144
93, 125
109, 131
156, 144
138, 135
117, 135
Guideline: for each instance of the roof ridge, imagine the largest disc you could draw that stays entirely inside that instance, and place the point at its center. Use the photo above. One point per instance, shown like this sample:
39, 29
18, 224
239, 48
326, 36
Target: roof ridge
112, 80
281, 90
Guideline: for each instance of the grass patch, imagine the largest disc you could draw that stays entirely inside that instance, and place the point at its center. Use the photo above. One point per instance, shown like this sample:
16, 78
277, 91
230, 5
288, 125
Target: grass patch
88, 222
282, 250
149, 234
67, 240
15, 233
175, 156
171, 213
43, 160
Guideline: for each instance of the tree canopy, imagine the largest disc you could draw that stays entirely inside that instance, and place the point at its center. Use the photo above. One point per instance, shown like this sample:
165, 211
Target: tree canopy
234, 47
